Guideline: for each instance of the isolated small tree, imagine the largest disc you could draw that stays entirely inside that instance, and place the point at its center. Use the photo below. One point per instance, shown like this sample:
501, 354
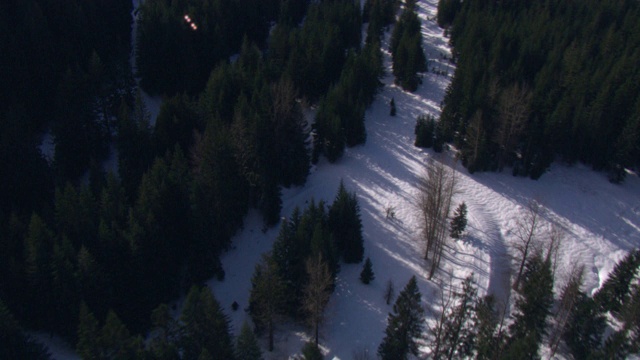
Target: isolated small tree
392, 110
389, 292
367, 275
247, 347
404, 325
459, 221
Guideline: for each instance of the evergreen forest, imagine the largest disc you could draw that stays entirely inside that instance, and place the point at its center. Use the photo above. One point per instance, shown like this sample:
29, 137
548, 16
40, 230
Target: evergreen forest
90, 253
538, 81
108, 215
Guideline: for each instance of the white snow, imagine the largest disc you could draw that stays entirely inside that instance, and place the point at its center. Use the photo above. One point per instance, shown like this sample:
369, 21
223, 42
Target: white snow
601, 220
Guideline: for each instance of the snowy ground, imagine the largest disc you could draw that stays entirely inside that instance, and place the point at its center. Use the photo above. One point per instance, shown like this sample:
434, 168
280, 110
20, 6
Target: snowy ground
601, 220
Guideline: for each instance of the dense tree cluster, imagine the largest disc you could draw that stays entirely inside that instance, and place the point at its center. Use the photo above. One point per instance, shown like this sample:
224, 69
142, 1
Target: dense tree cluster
201, 331
228, 136
64, 66
304, 261
540, 79
174, 56
574, 319
340, 117
406, 48
428, 133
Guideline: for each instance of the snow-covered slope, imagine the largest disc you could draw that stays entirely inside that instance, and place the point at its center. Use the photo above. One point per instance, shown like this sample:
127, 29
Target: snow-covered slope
601, 220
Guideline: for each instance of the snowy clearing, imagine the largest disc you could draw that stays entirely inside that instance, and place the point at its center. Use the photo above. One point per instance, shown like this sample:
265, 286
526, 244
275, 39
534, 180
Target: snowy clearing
601, 220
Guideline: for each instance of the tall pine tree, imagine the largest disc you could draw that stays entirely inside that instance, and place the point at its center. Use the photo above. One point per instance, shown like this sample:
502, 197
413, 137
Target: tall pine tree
404, 325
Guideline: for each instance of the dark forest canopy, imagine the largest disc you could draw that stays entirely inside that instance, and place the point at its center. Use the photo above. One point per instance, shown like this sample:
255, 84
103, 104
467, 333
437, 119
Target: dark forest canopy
79, 247
540, 80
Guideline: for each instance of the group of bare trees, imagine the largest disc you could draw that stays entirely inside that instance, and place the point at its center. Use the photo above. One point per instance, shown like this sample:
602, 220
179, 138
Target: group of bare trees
436, 190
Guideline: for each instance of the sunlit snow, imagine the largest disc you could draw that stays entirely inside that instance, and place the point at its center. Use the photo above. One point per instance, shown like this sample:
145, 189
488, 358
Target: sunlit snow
601, 220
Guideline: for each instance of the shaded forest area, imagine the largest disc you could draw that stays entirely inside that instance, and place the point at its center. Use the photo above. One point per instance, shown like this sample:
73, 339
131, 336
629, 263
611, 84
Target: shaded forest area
540, 80
87, 254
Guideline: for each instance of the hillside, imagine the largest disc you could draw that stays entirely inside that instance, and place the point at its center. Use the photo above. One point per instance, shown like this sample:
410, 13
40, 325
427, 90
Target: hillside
600, 221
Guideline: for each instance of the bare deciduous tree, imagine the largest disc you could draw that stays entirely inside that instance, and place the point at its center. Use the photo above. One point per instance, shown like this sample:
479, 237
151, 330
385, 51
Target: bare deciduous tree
389, 292
317, 292
436, 190
437, 330
556, 236
527, 228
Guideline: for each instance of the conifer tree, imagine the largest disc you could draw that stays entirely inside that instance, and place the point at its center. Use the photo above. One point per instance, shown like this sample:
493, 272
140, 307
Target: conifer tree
585, 327
88, 334
459, 221
447, 11
38, 245
615, 290
247, 347
459, 332
532, 309
425, 131
164, 344
367, 275
267, 295
205, 326
485, 324
404, 325
346, 226
406, 49
115, 340
392, 111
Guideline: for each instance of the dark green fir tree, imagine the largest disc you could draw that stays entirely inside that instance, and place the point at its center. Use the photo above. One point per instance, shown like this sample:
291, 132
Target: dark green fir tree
367, 275
247, 347
459, 221
346, 226
615, 290
404, 325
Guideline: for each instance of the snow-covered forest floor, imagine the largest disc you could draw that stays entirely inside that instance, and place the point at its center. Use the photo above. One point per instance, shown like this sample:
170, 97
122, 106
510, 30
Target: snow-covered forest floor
601, 221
